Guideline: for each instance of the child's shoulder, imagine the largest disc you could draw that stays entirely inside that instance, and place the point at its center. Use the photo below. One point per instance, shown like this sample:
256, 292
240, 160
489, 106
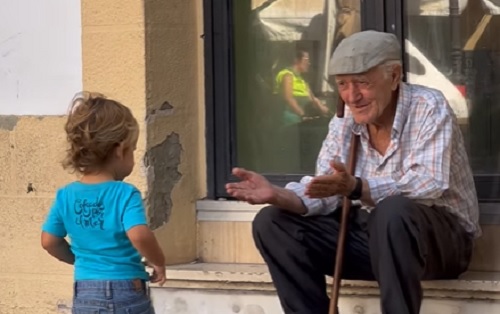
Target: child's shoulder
125, 187
117, 186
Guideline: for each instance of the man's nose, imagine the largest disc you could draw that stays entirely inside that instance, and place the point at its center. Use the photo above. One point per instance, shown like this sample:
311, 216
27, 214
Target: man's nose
352, 94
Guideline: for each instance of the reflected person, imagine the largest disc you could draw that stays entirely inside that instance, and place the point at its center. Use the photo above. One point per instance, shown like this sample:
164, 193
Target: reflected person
294, 92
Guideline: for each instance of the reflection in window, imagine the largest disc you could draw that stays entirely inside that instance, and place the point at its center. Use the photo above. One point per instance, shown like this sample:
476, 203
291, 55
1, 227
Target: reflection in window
453, 47
282, 97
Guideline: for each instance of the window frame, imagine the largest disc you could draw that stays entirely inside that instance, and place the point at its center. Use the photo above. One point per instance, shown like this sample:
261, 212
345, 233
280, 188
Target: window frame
385, 15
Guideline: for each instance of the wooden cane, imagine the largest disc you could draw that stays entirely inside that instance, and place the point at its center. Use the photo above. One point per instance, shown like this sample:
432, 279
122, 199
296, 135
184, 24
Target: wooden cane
346, 207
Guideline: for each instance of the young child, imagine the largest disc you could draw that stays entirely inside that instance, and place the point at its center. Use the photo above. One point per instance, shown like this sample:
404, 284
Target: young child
103, 217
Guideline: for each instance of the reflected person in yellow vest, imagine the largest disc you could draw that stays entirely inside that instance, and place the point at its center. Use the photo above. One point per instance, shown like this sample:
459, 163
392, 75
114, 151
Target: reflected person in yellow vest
295, 92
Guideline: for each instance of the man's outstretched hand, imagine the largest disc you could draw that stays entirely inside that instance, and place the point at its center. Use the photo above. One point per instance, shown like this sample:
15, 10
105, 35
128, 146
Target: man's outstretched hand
253, 187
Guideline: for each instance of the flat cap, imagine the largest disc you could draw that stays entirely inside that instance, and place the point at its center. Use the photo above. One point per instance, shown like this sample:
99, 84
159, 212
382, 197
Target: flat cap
362, 51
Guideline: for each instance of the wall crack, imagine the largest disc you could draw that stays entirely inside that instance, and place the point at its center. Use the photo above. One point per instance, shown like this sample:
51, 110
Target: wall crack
162, 162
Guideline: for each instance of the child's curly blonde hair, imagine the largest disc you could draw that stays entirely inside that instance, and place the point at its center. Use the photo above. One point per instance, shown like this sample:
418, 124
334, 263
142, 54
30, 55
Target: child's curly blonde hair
96, 125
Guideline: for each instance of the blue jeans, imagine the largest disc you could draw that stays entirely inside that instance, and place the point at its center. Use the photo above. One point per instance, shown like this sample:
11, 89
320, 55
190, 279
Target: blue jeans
111, 297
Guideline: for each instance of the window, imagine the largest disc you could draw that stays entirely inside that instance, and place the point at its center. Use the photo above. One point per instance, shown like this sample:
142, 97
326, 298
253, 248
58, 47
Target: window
452, 45
271, 99
283, 102
261, 54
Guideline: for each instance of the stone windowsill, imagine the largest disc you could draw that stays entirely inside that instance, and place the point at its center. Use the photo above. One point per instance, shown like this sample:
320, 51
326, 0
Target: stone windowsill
229, 210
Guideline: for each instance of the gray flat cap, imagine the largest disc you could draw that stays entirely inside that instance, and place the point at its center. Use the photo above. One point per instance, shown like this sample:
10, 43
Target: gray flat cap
362, 51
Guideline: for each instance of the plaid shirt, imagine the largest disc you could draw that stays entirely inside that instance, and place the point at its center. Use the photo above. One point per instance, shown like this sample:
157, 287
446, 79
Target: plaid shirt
426, 159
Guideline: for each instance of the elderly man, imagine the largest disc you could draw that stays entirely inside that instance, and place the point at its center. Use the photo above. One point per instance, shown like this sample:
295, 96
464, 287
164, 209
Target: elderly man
415, 211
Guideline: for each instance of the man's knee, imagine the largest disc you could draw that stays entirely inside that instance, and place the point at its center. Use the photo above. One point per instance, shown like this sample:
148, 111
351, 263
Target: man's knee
266, 226
264, 218
391, 213
271, 219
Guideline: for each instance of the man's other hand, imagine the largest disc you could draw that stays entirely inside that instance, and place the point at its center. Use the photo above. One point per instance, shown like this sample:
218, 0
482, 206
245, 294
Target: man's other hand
253, 187
338, 183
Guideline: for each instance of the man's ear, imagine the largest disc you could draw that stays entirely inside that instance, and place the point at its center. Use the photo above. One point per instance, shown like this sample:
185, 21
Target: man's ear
397, 71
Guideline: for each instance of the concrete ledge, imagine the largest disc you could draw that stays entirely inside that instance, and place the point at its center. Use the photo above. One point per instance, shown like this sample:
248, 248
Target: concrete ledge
255, 277
225, 210
228, 210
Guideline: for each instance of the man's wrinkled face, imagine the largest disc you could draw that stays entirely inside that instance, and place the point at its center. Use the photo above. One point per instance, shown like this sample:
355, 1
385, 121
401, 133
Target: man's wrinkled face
368, 94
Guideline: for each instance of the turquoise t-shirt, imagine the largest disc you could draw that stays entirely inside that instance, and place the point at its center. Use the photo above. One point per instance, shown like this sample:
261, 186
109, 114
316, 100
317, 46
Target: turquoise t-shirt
96, 218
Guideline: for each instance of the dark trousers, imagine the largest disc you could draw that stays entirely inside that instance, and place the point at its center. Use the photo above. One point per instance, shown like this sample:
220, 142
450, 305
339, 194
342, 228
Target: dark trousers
398, 244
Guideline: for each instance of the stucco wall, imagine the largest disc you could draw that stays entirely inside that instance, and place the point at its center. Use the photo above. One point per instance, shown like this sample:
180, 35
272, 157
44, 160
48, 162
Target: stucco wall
33, 282
175, 121
148, 55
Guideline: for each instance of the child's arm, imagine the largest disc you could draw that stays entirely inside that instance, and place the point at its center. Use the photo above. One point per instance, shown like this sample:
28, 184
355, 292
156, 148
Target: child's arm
58, 247
53, 233
144, 240
138, 232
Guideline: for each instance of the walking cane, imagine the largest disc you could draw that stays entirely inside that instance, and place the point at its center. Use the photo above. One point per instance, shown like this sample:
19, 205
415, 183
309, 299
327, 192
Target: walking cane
346, 207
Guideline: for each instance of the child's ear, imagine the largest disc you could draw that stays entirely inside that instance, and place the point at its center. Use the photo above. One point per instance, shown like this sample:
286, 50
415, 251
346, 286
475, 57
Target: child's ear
120, 150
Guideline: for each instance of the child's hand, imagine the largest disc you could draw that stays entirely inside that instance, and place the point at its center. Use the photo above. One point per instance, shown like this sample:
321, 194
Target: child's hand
159, 275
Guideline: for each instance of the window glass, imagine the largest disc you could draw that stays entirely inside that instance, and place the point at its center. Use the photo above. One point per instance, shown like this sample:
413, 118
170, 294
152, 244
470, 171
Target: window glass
453, 46
282, 97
